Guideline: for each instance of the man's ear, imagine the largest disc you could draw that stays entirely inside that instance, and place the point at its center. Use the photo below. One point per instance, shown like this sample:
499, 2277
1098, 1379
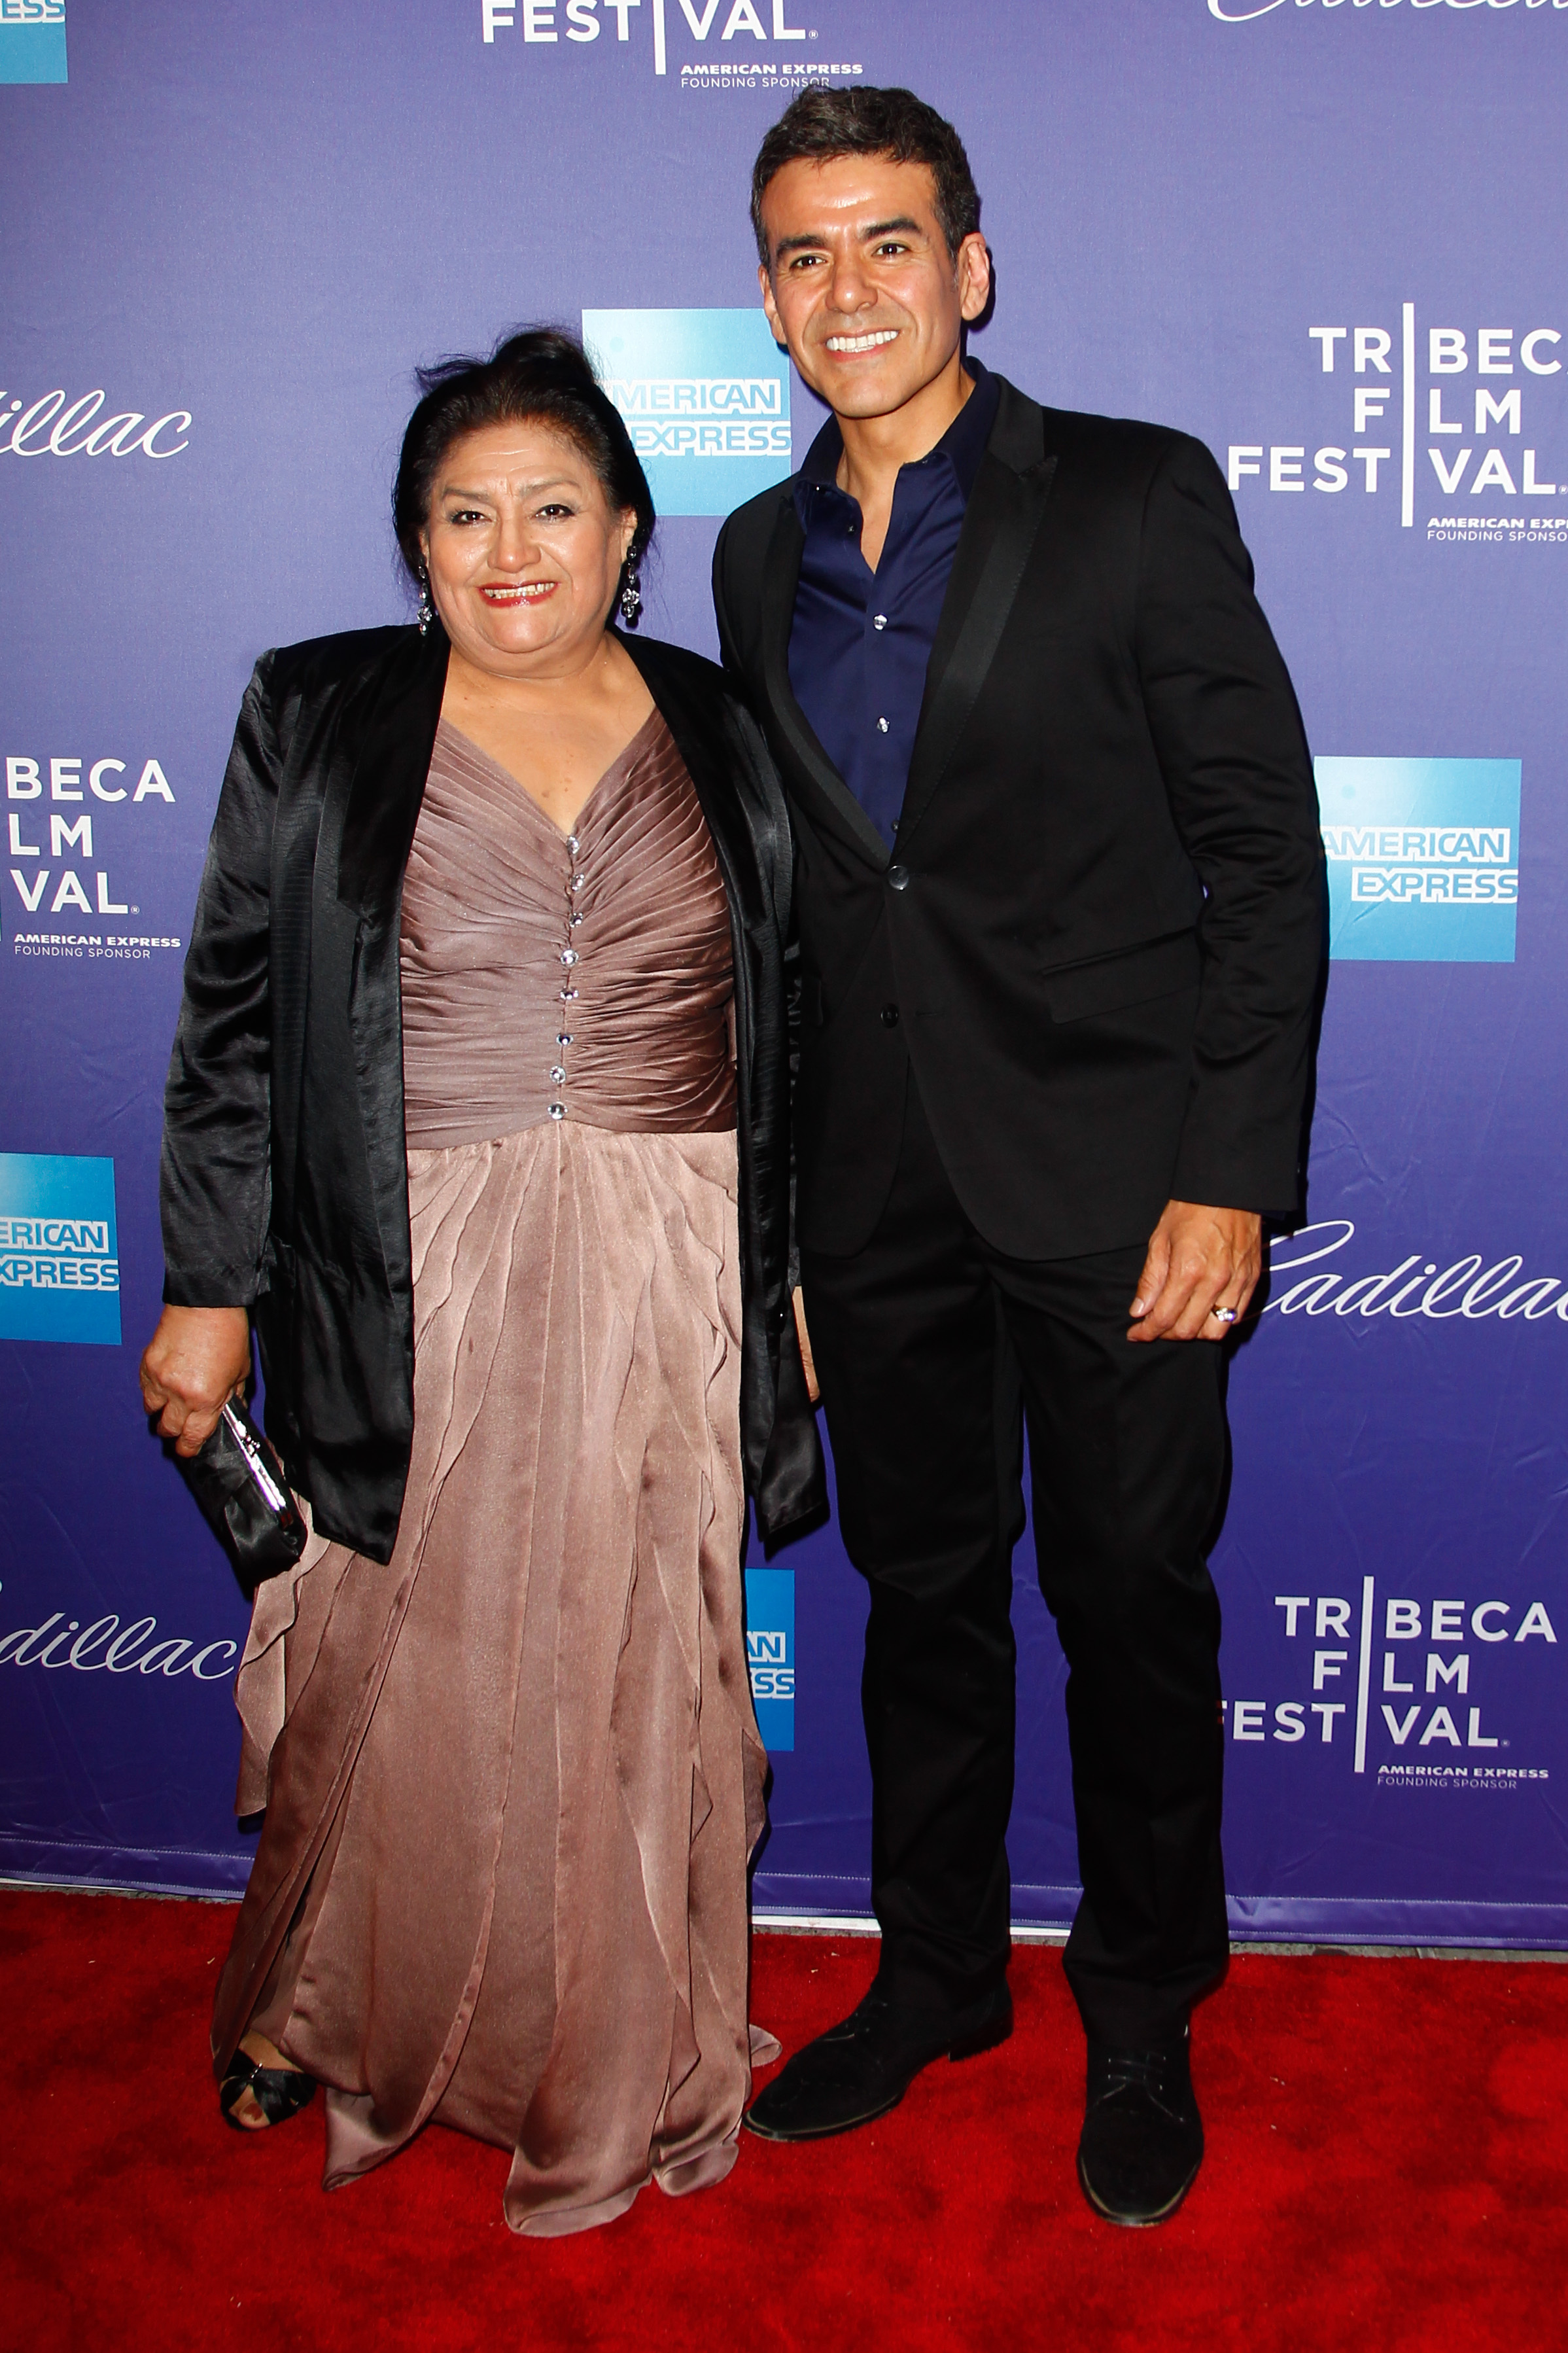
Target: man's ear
973, 274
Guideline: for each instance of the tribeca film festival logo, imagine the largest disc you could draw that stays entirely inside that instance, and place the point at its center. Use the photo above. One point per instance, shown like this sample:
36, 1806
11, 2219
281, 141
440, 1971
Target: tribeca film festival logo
1430, 1710
1467, 1291
49, 428
544, 23
705, 395
32, 40
770, 1652
59, 1264
105, 1646
1423, 858
56, 854
1390, 418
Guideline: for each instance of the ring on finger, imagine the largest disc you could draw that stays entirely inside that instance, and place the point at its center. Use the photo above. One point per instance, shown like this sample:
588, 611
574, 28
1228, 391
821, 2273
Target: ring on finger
1223, 1314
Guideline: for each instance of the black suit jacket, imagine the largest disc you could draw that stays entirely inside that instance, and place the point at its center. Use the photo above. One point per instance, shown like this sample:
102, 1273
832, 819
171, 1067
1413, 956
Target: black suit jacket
1098, 938
284, 1183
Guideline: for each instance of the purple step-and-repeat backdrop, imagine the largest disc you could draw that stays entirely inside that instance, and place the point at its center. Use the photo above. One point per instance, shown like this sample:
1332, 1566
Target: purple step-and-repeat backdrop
1324, 235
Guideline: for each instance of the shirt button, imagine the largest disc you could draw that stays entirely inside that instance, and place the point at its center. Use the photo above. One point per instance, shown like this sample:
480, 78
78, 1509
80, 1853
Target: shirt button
563, 1036
571, 843
568, 955
557, 1111
579, 881
558, 1076
898, 878
575, 921
878, 620
890, 1017
881, 726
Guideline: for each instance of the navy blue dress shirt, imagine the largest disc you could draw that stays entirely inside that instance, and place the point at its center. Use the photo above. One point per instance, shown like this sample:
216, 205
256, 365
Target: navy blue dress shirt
860, 642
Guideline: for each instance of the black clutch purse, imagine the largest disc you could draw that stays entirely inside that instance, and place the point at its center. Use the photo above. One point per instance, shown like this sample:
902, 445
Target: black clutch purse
240, 1483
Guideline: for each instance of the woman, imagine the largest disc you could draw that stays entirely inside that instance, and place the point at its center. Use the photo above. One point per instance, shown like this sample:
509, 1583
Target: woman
476, 1108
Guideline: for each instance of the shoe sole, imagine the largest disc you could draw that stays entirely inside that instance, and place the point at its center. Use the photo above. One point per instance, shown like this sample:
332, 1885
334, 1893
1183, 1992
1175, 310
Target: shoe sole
1136, 2222
969, 2046
824, 2131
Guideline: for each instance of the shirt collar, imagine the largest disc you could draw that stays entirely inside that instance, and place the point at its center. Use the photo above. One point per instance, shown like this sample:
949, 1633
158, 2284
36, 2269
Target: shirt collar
963, 443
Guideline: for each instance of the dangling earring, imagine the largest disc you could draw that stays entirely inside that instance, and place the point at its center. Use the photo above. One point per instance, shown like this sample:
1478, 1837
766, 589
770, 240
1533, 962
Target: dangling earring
631, 599
427, 612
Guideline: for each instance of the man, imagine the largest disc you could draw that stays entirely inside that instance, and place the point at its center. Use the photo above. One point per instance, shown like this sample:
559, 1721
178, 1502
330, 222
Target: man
1059, 904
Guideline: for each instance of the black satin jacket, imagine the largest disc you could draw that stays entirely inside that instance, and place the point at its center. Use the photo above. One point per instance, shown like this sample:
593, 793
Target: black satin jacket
284, 1182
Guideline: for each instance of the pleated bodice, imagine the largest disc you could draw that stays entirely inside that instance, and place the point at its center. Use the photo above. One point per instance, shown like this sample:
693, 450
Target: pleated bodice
579, 977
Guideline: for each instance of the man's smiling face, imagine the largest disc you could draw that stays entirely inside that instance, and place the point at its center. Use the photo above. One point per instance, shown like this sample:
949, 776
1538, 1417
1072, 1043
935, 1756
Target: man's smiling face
860, 283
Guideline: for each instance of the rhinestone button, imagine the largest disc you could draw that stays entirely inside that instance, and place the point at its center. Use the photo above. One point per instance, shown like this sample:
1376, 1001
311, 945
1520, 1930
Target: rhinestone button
557, 1111
881, 726
571, 843
567, 995
878, 620
563, 1036
557, 1076
579, 881
575, 921
568, 955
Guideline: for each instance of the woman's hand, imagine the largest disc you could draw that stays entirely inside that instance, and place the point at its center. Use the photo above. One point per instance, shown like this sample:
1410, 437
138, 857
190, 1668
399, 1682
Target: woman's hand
195, 1361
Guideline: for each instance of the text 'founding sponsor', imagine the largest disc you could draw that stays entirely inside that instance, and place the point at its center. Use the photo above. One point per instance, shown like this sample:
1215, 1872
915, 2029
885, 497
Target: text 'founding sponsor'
60, 1265
52, 848
1425, 1653
1415, 422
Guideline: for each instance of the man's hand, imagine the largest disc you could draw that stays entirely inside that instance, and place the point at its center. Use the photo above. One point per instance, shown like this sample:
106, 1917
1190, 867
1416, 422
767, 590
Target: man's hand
803, 1337
1199, 1258
195, 1361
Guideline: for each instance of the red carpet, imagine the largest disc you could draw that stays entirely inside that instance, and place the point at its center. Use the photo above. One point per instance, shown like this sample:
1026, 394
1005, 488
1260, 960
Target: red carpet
1387, 2168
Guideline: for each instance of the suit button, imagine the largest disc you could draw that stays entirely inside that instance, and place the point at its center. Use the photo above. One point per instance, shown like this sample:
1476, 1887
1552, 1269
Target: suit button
898, 878
890, 1017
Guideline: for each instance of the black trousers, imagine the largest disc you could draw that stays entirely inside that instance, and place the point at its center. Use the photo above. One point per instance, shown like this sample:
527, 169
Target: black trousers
933, 1350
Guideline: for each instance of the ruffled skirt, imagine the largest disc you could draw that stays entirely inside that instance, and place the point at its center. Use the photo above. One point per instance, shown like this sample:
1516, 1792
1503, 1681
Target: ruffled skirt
512, 1778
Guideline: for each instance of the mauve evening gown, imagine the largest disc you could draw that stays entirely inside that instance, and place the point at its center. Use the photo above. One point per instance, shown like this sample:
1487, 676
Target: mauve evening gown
512, 1779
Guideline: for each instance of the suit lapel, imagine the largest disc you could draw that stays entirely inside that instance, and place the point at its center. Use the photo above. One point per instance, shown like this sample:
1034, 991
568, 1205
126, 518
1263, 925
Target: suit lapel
384, 753
390, 765
1003, 521
781, 577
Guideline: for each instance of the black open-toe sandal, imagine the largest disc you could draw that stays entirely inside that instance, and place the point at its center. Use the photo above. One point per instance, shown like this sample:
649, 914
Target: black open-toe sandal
278, 2092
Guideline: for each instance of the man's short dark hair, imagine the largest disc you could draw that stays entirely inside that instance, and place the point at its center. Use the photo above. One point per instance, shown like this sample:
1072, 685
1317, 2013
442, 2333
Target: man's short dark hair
822, 124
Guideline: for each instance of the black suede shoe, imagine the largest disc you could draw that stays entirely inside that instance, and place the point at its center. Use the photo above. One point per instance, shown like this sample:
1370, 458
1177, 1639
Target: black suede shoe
1143, 2138
862, 2067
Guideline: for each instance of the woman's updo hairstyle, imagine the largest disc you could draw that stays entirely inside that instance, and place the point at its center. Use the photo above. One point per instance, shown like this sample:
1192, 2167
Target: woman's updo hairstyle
538, 375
